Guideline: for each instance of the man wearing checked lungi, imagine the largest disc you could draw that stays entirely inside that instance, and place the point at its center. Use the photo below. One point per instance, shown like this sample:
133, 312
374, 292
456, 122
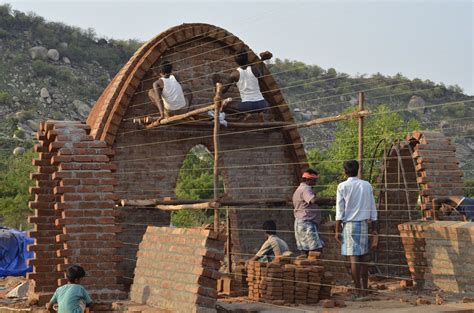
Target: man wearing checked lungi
307, 215
356, 213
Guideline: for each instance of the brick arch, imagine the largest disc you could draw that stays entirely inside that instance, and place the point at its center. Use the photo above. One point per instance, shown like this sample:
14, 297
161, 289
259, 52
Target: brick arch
415, 171
255, 165
107, 114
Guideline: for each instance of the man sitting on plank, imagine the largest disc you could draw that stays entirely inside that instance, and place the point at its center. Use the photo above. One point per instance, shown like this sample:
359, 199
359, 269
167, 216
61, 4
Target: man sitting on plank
167, 93
247, 78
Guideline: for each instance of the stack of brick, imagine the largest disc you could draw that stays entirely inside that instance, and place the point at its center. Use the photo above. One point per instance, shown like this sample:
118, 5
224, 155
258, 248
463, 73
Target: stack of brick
289, 283
437, 254
274, 282
301, 282
80, 192
177, 269
285, 280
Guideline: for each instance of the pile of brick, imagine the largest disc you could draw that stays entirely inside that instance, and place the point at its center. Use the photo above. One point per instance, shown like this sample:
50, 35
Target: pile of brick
177, 269
285, 280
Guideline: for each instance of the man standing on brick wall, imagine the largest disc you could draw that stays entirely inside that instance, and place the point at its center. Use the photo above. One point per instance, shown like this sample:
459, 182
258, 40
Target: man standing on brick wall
307, 215
167, 93
355, 212
463, 205
247, 77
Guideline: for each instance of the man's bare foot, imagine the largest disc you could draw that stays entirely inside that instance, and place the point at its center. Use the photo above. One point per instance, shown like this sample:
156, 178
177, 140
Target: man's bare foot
261, 117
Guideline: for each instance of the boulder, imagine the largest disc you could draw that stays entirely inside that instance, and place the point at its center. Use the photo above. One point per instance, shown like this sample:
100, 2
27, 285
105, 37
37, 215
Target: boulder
417, 104
81, 108
53, 54
66, 60
39, 53
44, 93
63, 45
18, 151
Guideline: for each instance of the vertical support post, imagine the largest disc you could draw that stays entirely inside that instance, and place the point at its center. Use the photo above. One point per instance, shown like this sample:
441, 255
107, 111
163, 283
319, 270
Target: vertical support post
361, 137
217, 110
229, 242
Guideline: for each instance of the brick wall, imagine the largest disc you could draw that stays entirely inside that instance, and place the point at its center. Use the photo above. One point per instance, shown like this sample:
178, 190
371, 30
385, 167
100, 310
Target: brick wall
424, 165
177, 269
83, 226
439, 254
148, 161
133, 222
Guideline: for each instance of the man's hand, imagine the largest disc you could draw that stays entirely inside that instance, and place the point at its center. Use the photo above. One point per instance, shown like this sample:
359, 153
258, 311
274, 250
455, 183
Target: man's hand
266, 55
337, 236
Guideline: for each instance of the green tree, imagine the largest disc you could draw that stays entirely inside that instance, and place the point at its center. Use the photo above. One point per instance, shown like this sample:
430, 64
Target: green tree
195, 182
382, 126
14, 183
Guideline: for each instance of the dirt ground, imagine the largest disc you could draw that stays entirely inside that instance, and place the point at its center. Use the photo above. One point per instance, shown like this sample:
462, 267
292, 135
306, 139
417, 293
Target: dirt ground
388, 296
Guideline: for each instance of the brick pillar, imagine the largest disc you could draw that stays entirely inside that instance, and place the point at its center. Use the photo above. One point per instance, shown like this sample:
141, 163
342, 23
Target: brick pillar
44, 276
82, 185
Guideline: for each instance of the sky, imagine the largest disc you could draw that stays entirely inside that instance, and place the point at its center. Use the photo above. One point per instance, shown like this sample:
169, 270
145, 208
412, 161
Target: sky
424, 39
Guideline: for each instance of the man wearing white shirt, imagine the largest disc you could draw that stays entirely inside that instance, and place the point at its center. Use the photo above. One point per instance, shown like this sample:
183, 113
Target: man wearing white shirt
355, 212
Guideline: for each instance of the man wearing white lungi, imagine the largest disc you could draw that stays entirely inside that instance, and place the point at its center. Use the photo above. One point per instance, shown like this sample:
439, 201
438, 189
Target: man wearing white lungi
356, 213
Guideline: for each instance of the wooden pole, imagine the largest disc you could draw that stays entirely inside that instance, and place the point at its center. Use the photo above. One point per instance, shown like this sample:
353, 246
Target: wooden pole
361, 136
229, 254
217, 111
179, 117
336, 118
195, 206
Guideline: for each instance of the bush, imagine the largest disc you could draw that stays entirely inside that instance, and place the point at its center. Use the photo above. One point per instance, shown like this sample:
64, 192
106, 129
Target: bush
58, 116
43, 69
19, 133
3, 33
5, 97
25, 115
20, 59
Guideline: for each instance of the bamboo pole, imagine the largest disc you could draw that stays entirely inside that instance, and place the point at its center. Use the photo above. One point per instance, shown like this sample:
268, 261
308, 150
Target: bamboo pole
155, 202
361, 136
217, 111
336, 118
195, 206
179, 117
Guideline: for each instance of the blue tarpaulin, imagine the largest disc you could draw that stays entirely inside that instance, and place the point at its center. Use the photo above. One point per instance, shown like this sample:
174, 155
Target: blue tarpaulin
13, 252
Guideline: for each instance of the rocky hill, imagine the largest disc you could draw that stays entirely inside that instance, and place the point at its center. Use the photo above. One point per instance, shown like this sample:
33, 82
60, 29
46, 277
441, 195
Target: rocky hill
51, 70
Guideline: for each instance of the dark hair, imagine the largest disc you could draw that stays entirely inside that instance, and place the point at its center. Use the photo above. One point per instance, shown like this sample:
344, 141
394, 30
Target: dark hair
166, 67
241, 57
351, 168
309, 171
75, 272
269, 227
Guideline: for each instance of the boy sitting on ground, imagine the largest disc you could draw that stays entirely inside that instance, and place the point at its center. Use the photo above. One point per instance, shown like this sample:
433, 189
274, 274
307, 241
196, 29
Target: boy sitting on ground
168, 95
273, 246
72, 297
